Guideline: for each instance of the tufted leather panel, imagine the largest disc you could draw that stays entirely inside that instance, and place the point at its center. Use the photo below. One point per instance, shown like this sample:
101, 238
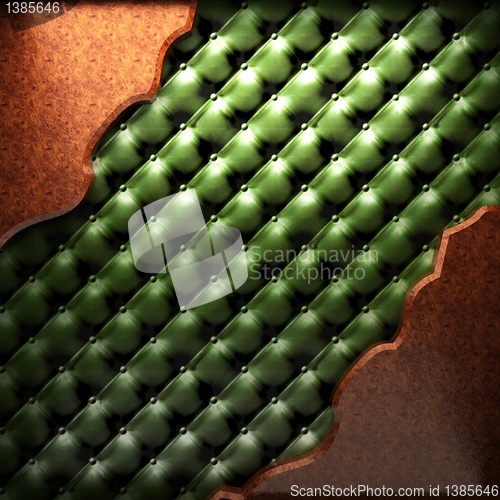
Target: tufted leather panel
312, 129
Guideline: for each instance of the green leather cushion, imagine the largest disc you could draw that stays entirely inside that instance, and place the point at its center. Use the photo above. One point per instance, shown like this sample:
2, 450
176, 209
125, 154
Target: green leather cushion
311, 128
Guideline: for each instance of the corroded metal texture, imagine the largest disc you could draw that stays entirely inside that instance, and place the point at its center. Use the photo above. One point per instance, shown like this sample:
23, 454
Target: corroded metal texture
62, 84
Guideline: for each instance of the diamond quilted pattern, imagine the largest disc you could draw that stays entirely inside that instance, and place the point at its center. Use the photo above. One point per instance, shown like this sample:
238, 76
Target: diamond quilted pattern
327, 133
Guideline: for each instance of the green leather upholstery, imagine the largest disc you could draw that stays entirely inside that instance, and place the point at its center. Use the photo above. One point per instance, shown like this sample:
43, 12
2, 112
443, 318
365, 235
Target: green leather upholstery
308, 127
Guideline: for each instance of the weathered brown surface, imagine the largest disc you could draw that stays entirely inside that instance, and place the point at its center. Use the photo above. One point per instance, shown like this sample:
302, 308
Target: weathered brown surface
424, 409
62, 84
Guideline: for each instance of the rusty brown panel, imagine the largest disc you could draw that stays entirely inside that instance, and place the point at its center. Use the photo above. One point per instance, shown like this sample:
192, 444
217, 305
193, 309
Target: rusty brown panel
62, 84
423, 409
